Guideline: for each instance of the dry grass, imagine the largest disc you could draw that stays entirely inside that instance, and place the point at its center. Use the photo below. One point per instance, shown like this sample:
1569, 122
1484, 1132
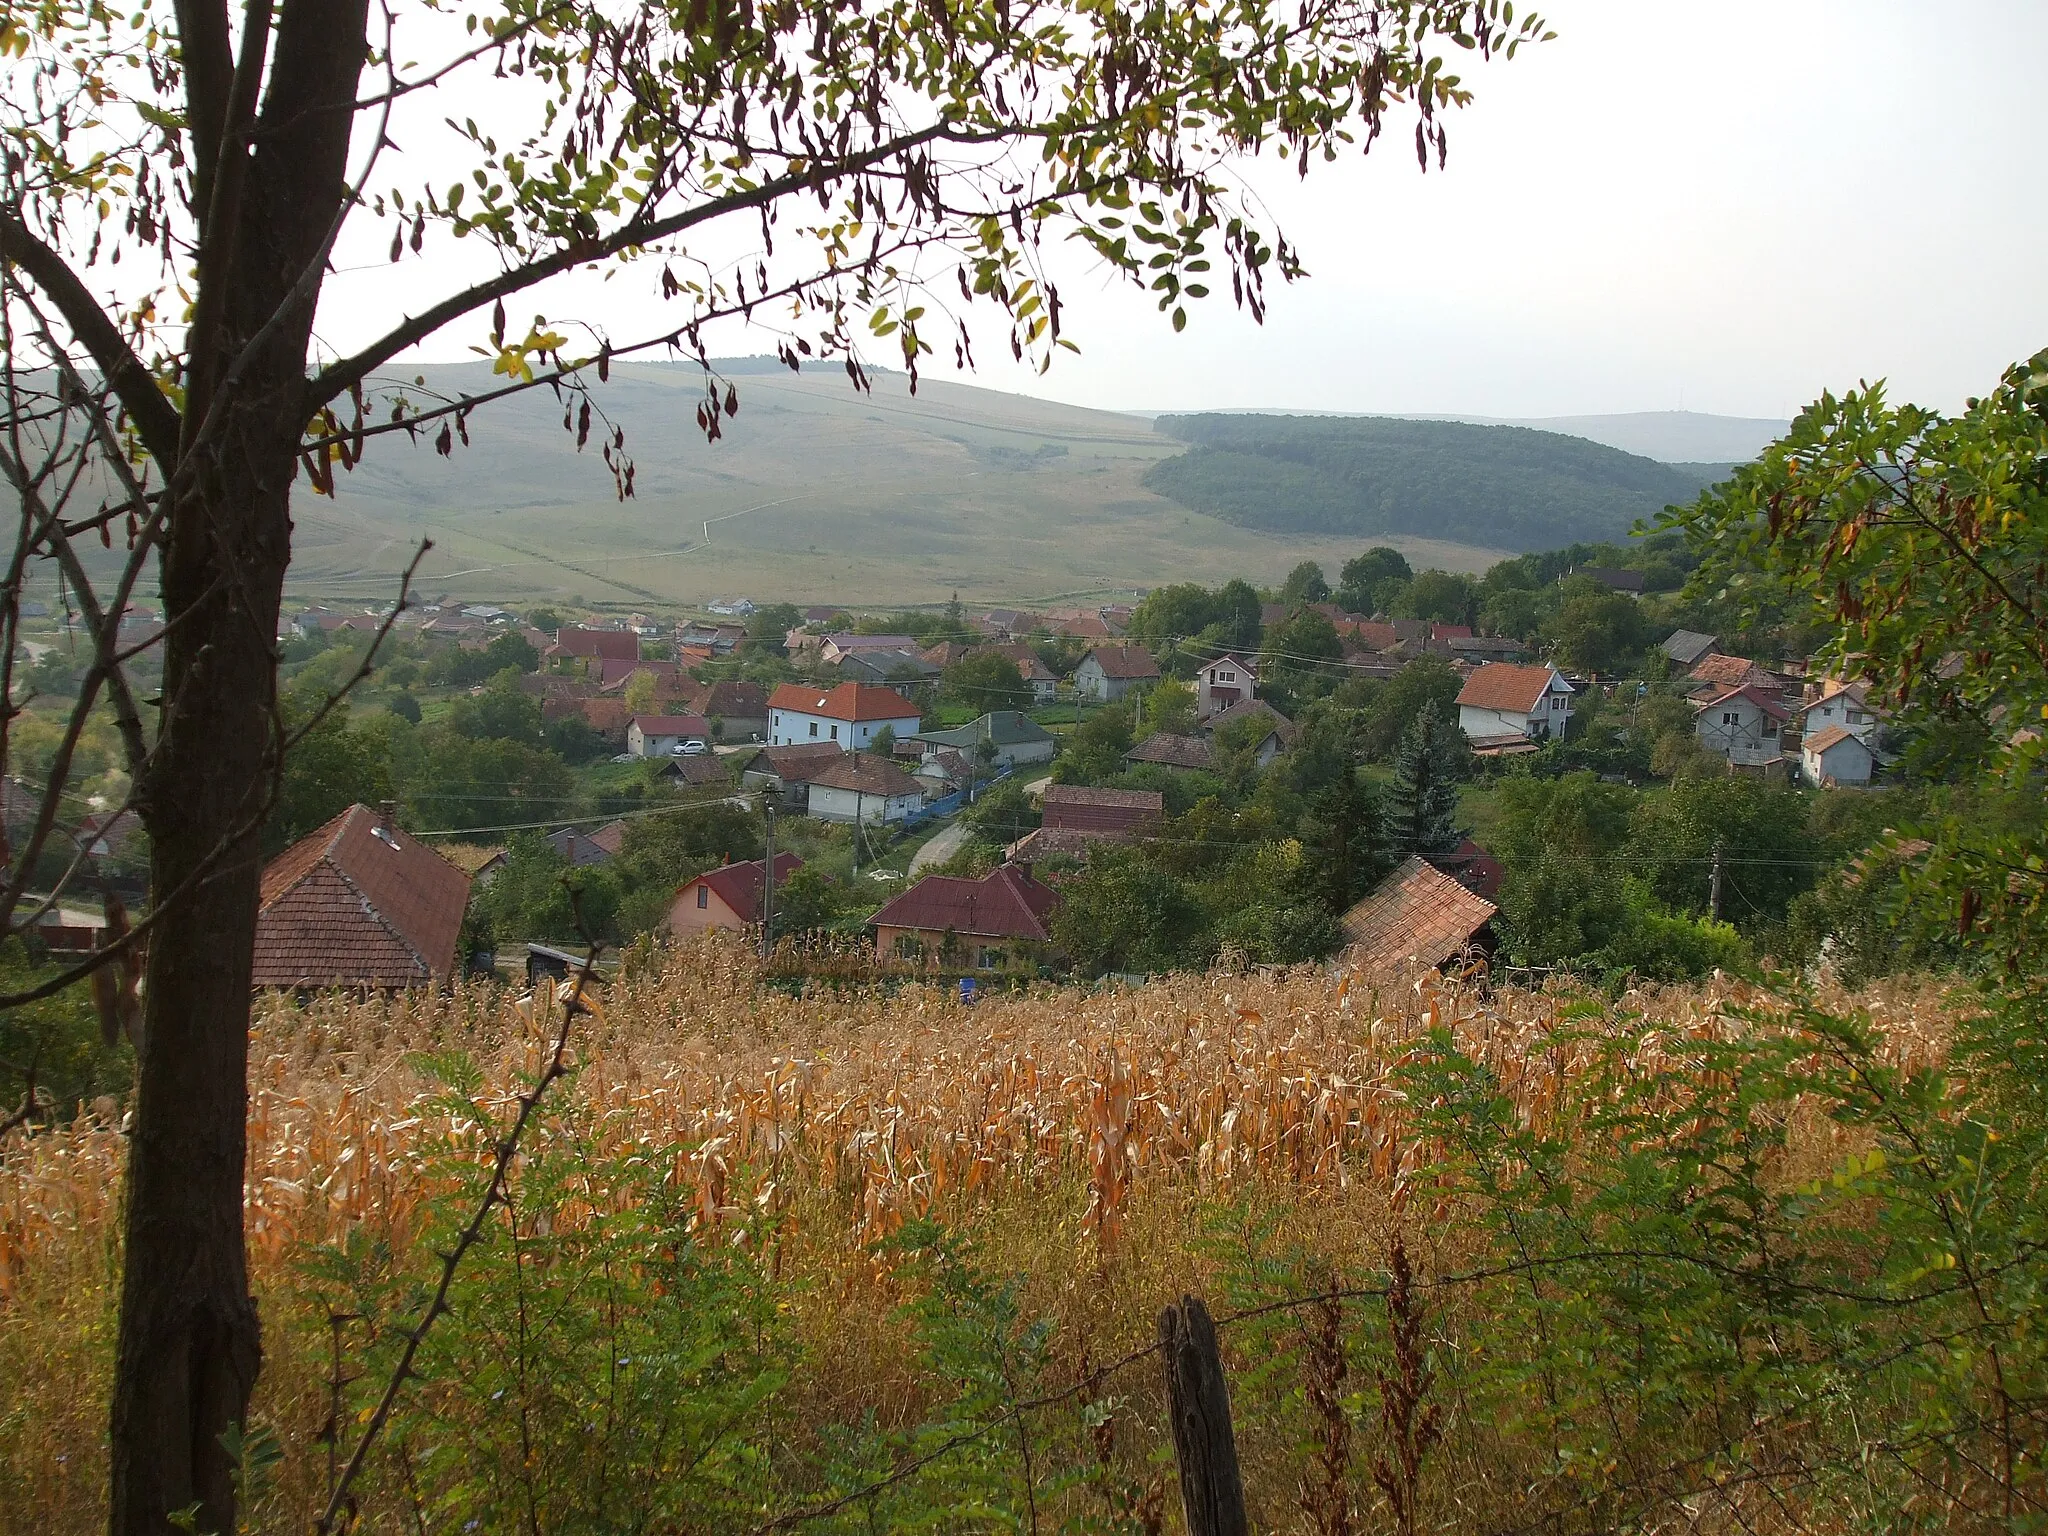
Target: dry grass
1080, 1136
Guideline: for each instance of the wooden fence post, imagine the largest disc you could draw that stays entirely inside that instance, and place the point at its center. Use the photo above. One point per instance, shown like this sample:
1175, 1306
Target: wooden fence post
1211, 1489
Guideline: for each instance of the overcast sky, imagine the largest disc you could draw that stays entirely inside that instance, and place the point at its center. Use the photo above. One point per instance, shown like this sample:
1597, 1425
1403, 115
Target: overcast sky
1726, 206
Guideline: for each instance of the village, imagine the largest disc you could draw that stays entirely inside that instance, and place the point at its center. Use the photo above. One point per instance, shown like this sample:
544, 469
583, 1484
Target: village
931, 790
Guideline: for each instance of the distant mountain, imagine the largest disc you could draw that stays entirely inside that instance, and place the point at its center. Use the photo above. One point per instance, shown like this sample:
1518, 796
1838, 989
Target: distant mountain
1509, 487
1674, 437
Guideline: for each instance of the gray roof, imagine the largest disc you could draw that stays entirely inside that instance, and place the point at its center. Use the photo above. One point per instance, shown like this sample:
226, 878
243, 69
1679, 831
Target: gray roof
1687, 646
1005, 727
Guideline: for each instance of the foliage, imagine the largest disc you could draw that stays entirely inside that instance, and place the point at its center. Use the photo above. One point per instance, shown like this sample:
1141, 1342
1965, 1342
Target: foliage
1305, 584
1226, 618
1368, 581
337, 764
537, 895
807, 901
1170, 707
1389, 706
452, 666
985, 681
1597, 630
500, 712
446, 780
1095, 751
1004, 813
1497, 486
1423, 802
1123, 913
1439, 596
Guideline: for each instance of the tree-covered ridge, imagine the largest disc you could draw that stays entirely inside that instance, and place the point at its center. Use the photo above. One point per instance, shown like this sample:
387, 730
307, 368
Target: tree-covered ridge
1507, 487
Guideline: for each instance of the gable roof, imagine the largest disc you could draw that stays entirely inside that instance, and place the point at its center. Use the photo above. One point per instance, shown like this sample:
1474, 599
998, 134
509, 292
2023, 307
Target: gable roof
1171, 751
609, 644
614, 673
1613, 579
472, 858
1687, 646
358, 903
1417, 912
1504, 685
1055, 795
1231, 659
857, 772
851, 702
1833, 736
1766, 701
729, 698
1004, 727
1005, 903
1130, 662
784, 762
1250, 709
704, 768
672, 725
1728, 671
739, 885
1028, 661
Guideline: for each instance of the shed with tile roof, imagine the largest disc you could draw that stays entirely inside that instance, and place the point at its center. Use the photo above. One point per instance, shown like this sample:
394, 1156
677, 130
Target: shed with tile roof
1417, 915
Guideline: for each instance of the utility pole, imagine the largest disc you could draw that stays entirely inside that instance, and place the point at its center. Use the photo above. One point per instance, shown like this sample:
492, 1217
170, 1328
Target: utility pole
1714, 890
767, 875
858, 807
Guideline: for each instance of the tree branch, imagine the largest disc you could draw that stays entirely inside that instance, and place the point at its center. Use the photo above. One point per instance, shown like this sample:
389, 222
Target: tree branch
155, 418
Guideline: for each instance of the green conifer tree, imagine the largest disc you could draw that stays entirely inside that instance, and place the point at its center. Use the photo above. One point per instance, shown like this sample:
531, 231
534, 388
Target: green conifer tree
1424, 816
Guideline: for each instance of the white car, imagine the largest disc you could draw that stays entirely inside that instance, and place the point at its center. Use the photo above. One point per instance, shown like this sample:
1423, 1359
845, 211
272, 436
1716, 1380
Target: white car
691, 748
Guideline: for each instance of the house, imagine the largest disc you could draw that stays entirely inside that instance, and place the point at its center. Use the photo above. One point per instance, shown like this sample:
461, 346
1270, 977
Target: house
1009, 622
1715, 673
707, 770
1503, 699
1371, 634
901, 671
1847, 705
666, 735
1163, 749
1613, 580
1279, 732
608, 717
726, 897
358, 904
1055, 843
1103, 812
1835, 755
1484, 648
1688, 647
855, 787
944, 771
1417, 915
1044, 685
580, 850
946, 652
736, 711
598, 644
1229, 679
835, 648
850, 714
1014, 738
1744, 725
819, 614
1082, 626
1110, 672
999, 922
476, 860
612, 675
781, 770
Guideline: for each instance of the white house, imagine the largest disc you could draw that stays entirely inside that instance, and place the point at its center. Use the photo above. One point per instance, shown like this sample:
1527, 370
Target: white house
665, 735
1835, 756
857, 787
851, 714
1848, 706
1223, 682
1109, 672
1744, 725
1503, 699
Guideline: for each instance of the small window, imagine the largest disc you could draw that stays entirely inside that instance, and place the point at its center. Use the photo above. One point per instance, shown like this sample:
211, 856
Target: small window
814, 727
1728, 717
703, 896
835, 733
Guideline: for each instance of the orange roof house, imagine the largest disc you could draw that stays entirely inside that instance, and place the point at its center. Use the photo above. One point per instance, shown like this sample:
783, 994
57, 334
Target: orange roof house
1417, 913
728, 896
358, 904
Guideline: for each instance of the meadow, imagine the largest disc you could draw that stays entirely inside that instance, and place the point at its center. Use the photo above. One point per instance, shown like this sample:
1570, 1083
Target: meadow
865, 1260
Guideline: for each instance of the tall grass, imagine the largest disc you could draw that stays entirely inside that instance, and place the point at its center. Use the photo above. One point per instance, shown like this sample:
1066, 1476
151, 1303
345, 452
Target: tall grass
895, 1213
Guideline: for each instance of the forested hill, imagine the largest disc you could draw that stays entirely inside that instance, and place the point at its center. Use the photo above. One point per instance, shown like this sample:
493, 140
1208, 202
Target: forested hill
1507, 487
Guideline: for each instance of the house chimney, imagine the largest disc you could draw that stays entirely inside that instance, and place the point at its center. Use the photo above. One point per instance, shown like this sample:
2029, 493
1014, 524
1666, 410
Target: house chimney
387, 814
1023, 867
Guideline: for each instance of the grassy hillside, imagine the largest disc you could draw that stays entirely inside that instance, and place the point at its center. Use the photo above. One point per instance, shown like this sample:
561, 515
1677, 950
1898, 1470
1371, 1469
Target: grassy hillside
1373, 476
816, 492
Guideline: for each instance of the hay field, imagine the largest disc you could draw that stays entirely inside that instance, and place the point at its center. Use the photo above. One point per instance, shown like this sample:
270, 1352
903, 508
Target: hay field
1109, 1150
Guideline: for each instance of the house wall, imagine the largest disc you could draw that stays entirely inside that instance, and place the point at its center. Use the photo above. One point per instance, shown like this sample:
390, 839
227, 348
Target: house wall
829, 804
1843, 711
1221, 685
1846, 762
685, 916
1740, 732
1091, 682
790, 727
965, 950
1474, 721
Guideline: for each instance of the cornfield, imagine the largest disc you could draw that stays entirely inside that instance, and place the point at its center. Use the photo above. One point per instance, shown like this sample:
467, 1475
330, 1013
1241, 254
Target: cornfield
1077, 1130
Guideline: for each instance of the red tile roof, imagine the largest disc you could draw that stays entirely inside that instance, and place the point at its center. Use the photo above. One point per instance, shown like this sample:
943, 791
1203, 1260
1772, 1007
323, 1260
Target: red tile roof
739, 885
609, 644
1006, 903
1101, 810
358, 904
1505, 686
1729, 671
1124, 661
1418, 913
1379, 636
853, 702
1450, 631
1768, 702
613, 672
788, 763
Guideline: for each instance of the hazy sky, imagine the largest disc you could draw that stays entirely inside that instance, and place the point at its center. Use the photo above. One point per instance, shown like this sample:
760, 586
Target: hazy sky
1724, 206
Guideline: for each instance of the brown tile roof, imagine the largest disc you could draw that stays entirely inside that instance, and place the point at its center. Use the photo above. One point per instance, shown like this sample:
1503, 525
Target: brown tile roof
1170, 751
739, 885
1006, 903
1834, 735
1252, 709
1418, 913
1506, 686
358, 904
705, 768
1124, 661
1763, 699
1373, 633
859, 772
788, 763
1122, 811
611, 837
614, 673
848, 701
1729, 671
1027, 660
610, 644
1085, 626
672, 725
1054, 842
1087, 794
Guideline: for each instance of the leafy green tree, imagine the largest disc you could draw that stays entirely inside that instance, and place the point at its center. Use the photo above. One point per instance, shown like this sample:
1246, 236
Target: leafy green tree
1173, 612
447, 780
1388, 707
1597, 630
1769, 852
500, 713
1305, 584
546, 620
1344, 829
1298, 650
1423, 802
767, 626
1369, 580
337, 765
1003, 814
574, 739
986, 680
1123, 913
807, 900
1236, 615
537, 896
1095, 751
1516, 612
454, 666
1560, 843
405, 707
1169, 706
1439, 596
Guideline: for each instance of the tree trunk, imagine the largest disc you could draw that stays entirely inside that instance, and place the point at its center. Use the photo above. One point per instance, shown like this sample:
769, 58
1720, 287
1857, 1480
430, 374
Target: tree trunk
190, 1346
1198, 1399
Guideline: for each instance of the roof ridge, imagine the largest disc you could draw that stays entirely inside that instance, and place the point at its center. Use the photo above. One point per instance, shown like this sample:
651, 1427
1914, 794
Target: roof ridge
370, 907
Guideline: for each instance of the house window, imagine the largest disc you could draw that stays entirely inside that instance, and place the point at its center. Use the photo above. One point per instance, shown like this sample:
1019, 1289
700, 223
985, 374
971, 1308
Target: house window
1728, 717
835, 733
814, 727
703, 897
987, 959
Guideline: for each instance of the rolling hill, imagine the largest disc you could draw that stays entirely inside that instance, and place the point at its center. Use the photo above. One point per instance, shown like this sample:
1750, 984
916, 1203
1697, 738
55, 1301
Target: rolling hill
1366, 477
